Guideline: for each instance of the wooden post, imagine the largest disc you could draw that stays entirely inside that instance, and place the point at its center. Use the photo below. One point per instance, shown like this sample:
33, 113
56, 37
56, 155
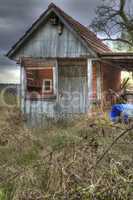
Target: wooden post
23, 90
55, 85
90, 82
55, 78
99, 89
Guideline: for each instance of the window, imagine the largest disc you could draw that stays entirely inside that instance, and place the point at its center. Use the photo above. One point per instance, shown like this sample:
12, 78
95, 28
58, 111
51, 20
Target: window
40, 82
47, 86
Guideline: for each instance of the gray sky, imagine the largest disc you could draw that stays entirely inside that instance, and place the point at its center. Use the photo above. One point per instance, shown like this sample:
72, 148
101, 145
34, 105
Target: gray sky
16, 16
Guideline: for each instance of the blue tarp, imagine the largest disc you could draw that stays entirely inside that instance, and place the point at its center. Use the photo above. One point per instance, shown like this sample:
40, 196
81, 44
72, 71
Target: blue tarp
125, 109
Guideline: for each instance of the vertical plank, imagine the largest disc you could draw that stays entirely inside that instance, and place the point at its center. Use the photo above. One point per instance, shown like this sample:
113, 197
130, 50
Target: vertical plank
46, 42
99, 89
73, 82
89, 77
23, 90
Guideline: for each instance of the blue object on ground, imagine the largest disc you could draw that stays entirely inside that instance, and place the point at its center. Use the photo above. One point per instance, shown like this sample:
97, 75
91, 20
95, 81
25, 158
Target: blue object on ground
125, 109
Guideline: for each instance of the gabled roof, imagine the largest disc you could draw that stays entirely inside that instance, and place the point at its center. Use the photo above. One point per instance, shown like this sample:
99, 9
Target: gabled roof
87, 36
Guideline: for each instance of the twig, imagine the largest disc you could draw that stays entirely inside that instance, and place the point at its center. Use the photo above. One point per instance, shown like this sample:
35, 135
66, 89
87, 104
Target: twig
117, 39
112, 144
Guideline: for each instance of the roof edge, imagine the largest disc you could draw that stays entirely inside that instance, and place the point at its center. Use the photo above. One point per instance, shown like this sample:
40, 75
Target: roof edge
40, 20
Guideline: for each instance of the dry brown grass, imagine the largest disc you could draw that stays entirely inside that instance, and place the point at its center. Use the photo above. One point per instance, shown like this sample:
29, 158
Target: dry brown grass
58, 162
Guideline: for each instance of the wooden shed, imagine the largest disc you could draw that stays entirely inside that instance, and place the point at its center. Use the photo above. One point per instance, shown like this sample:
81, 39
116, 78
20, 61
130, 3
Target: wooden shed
64, 66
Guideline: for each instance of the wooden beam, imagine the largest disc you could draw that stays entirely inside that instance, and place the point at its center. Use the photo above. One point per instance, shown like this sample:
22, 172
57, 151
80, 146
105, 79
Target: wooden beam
90, 82
99, 74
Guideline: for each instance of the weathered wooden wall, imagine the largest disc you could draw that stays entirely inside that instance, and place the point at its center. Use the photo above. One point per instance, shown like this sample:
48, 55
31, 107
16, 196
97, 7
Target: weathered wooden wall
73, 86
34, 111
47, 42
77, 84
71, 92
72, 74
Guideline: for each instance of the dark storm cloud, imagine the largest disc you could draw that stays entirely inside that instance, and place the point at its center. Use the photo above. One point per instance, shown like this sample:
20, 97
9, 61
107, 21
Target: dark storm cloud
16, 16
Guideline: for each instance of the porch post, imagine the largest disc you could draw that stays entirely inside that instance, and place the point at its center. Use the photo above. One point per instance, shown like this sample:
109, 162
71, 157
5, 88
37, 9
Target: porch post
89, 83
23, 84
99, 89
55, 78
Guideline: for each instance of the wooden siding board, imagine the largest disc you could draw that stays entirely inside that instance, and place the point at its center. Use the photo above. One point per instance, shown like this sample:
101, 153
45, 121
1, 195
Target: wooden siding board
72, 87
90, 82
48, 43
23, 89
99, 89
71, 79
35, 111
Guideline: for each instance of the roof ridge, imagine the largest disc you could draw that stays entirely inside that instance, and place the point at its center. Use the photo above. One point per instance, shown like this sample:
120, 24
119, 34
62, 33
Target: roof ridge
51, 5
83, 26
73, 18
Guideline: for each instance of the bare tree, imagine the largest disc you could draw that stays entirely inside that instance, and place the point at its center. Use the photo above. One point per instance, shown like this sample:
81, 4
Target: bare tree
114, 17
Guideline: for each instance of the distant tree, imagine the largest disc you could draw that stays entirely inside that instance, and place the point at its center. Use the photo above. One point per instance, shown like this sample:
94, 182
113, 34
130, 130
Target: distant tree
114, 19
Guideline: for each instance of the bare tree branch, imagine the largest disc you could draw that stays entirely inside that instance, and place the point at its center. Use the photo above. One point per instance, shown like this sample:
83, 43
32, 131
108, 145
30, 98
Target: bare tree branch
114, 20
117, 39
112, 144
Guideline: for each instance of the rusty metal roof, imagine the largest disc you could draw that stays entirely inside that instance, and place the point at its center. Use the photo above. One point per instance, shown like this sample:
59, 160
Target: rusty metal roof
90, 38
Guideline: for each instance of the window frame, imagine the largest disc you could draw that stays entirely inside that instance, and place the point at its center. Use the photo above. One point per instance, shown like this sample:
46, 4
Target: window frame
44, 91
43, 94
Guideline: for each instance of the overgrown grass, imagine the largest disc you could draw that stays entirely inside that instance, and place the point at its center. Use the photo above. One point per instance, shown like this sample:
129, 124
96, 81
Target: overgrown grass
9, 98
59, 162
